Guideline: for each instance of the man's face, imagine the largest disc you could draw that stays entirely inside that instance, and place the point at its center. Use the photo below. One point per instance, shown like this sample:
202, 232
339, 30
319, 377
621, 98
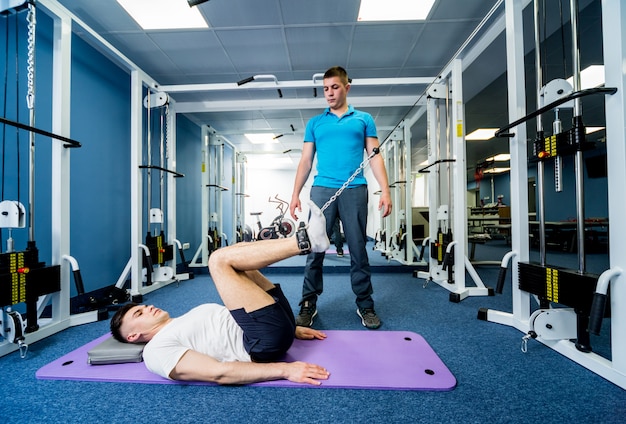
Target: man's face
140, 321
335, 93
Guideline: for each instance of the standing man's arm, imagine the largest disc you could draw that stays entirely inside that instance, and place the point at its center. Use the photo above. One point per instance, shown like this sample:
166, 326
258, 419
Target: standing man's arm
302, 175
380, 173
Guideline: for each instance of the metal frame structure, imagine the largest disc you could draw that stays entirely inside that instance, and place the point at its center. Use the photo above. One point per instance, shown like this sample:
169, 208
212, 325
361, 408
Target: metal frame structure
448, 261
212, 196
135, 266
554, 329
59, 301
395, 236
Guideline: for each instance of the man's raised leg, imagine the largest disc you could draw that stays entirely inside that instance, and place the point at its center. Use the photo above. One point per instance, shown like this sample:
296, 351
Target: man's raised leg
234, 269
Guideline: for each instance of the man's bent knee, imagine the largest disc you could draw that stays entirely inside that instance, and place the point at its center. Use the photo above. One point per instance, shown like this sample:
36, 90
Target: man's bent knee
218, 260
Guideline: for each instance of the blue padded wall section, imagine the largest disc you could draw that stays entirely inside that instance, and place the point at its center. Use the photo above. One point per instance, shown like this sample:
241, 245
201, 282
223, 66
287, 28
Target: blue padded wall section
100, 169
188, 189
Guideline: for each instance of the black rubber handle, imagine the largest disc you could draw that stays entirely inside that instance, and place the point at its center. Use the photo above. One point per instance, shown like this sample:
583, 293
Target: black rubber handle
501, 278
78, 280
446, 258
597, 313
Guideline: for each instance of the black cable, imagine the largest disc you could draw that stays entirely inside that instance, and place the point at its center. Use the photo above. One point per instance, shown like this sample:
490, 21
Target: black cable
563, 38
4, 103
543, 41
17, 108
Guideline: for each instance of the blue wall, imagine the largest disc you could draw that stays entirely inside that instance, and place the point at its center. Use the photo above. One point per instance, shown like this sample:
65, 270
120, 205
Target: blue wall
188, 162
100, 169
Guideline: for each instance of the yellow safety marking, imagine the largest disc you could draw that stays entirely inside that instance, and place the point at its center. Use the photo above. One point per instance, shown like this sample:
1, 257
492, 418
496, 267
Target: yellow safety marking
440, 248
552, 284
18, 280
159, 241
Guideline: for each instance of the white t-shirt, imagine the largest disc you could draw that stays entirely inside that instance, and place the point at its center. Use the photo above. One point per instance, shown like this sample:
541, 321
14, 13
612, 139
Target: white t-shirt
209, 329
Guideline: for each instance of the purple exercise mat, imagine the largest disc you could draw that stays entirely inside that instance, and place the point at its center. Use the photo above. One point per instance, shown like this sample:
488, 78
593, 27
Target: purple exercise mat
389, 360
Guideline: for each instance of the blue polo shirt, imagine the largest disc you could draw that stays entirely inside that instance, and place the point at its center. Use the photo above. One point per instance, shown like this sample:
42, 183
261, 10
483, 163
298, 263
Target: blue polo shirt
339, 145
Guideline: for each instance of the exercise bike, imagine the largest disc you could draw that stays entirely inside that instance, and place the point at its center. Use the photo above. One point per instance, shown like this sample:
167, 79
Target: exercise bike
280, 227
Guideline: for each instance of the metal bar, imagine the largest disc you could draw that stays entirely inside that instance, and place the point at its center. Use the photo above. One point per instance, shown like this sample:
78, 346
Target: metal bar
572, 96
69, 141
176, 174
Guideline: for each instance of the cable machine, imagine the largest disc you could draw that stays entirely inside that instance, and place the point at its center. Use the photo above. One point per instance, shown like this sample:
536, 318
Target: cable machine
34, 296
447, 241
153, 264
395, 236
581, 297
243, 230
213, 188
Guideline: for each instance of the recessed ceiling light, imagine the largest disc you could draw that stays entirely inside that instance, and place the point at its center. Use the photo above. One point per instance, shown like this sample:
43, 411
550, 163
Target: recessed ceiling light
590, 77
262, 138
164, 14
262, 161
394, 10
501, 157
482, 134
496, 170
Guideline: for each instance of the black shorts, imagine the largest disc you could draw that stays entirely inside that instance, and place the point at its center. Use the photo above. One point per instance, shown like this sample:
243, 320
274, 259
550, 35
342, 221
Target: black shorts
267, 332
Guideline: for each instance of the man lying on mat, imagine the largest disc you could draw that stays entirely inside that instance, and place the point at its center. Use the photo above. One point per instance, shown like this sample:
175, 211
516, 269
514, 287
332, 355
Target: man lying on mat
241, 342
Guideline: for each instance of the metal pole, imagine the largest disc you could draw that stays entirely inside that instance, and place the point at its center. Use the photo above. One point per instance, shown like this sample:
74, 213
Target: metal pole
578, 158
540, 164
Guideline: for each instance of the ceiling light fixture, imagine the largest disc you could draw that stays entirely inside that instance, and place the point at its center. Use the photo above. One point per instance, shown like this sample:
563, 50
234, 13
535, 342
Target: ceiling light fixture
163, 14
394, 10
482, 134
496, 170
589, 130
590, 77
261, 138
501, 157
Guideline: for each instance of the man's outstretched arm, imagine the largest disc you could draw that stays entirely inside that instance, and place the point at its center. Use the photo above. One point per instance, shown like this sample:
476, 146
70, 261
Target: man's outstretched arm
195, 366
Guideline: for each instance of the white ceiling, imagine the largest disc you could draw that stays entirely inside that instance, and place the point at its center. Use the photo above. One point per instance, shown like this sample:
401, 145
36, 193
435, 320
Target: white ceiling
293, 40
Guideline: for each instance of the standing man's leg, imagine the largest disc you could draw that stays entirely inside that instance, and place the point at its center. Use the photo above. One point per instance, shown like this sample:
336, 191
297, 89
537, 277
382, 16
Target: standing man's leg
353, 210
337, 237
313, 284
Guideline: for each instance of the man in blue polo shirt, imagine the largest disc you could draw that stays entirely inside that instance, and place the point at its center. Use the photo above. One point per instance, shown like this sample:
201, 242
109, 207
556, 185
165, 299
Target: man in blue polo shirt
339, 136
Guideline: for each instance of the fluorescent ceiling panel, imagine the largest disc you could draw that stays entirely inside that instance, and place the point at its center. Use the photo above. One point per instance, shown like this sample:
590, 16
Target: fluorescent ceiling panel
501, 157
496, 170
394, 10
261, 138
164, 14
261, 161
482, 134
590, 77
589, 130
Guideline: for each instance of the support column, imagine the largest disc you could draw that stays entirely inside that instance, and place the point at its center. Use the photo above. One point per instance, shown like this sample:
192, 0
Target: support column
614, 33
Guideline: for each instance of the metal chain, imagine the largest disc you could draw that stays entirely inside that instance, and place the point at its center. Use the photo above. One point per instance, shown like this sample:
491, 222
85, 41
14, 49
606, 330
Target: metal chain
30, 99
352, 177
168, 130
30, 96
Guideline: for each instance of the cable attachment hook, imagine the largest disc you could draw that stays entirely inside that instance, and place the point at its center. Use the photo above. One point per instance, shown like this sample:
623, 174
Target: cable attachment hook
23, 346
531, 335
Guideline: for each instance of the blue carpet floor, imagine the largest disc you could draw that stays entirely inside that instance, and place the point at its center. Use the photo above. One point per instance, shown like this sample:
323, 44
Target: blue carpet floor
497, 383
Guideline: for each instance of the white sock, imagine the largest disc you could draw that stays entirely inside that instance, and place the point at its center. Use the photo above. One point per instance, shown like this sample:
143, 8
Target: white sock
317, 229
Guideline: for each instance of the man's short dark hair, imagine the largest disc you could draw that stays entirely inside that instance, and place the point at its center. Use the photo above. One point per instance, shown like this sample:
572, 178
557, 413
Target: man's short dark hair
337, 71
116, 321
